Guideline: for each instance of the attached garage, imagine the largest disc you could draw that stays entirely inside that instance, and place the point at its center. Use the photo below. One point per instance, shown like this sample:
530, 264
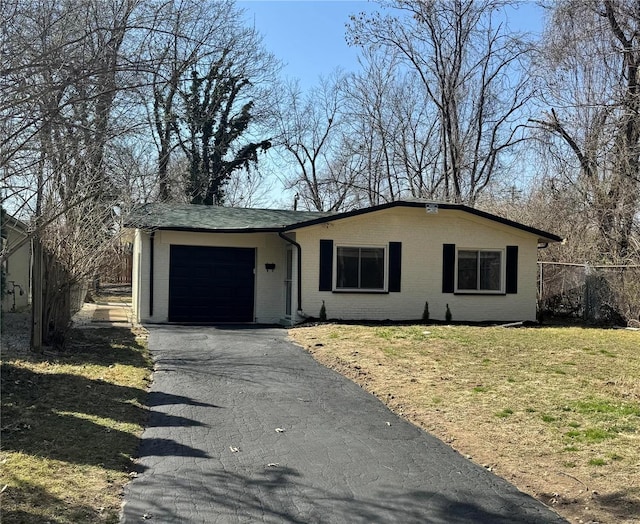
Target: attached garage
211, 284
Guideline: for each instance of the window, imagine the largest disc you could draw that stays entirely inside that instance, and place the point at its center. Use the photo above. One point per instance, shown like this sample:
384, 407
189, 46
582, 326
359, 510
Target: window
360, 268
479, 270
350, 269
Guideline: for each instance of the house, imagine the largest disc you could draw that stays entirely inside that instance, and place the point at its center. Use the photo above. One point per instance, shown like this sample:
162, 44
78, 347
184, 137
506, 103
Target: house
205, 264
17, 266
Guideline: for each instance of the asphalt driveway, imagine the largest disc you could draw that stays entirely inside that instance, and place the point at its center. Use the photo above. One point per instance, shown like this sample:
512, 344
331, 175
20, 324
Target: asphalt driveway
247, 427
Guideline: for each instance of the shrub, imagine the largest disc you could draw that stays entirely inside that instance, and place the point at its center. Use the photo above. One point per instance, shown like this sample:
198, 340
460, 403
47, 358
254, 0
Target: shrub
323, 313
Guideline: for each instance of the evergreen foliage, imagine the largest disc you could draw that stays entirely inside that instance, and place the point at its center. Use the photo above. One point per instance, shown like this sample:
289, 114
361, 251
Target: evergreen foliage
214, 129
323, 313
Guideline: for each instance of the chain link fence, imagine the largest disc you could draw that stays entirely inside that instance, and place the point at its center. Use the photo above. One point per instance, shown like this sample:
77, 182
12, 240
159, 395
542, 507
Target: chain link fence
595, 294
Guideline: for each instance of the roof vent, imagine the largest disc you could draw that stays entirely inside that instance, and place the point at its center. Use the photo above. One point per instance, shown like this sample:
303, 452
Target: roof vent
431, 208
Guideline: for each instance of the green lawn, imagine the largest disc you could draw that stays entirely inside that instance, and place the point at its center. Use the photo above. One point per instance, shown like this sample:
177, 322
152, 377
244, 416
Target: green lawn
70, 425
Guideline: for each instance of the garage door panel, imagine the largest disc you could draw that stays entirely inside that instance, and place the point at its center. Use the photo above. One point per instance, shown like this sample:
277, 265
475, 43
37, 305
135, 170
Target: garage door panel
211, 284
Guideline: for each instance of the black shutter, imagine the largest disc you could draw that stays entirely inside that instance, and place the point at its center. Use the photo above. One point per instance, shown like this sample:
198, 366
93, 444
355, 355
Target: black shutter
448, 267
395, 266
512, 270
326, 265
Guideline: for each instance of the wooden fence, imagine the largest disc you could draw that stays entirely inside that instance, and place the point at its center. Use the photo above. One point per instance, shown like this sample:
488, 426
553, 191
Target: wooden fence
118, 270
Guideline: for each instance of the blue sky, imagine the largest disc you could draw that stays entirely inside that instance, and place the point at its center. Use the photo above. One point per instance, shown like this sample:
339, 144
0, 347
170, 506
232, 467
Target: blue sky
309, 35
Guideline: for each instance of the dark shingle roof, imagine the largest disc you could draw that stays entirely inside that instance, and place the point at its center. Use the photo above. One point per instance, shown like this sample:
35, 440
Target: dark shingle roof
215, 218
191, 217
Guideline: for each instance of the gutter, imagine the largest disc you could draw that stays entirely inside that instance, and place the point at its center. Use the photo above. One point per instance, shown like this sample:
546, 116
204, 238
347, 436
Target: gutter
299, 279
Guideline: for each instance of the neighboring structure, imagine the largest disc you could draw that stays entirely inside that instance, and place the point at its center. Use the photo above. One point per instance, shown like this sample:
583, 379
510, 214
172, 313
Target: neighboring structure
17, 267
206, 264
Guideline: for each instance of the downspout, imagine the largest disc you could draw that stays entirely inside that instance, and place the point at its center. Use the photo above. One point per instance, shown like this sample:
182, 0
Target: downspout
152, 238
299, 248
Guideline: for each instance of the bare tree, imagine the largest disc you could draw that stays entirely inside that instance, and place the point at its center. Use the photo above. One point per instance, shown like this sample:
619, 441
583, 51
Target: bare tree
210, 79
590, 79
179, 40
61, 79
371, 128
182, 34
74, 132
390, 131
308, 131
472, 72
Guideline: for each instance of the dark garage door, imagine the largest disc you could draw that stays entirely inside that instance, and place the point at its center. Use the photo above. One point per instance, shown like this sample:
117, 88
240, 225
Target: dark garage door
211, 284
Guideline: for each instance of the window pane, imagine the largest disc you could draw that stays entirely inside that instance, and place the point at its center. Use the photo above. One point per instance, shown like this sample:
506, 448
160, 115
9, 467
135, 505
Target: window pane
490, 270
371, 268
347, 270
467, 269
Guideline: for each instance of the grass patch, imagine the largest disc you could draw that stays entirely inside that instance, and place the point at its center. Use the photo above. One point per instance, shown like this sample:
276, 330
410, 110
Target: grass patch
390, 351
70, 425
597, 462
607, 406
591, 435
571, 396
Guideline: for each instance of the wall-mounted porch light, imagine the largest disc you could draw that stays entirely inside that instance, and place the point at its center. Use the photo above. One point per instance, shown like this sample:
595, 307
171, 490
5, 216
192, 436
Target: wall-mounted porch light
270, 266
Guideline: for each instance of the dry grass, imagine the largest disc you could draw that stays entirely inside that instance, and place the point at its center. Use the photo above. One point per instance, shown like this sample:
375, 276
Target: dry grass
70, 425
556, 411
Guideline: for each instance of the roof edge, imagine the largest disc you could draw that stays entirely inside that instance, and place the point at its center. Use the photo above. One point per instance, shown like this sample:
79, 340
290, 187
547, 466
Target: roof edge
205, 230
544, 236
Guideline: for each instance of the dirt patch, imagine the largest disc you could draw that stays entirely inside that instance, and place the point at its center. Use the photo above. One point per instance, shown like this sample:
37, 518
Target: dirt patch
15, 332
554, 411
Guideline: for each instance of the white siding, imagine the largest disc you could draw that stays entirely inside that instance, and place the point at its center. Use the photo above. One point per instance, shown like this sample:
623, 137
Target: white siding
18, 271
422, 236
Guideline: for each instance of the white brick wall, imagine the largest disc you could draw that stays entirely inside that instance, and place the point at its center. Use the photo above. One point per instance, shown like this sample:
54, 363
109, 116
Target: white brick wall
422, 236
269, 286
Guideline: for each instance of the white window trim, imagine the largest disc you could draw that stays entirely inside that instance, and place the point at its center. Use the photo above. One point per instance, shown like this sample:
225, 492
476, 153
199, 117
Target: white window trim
384, 289
503, 272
